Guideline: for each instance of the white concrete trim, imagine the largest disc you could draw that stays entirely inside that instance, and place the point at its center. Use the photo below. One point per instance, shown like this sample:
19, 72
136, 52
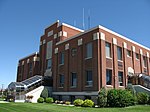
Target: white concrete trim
60, 34
28, 60
102, 36
67, 46
56, 50
96, 36
114, 41
123, 37
125, 45
80, 42
52, 24
147, 54
64, 33
133, 48
55, 36
64, 24
35, 58
141, 52
22, 62
29, 56
77, 35
44, 41
76, 93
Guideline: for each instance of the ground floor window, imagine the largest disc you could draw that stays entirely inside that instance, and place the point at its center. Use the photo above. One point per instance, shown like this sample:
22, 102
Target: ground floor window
89, 81
120, 78
61, 81
108, 77
73, 79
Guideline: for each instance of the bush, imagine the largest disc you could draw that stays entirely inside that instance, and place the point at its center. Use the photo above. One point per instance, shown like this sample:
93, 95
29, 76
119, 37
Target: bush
120, 98
78, 102
142, 98
88, 103
102, 98
49, 100
44, 93
148, 100
67, 103
40, 100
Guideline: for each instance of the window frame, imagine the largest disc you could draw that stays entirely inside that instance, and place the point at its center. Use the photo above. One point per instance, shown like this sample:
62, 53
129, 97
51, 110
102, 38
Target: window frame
89, 79
61, 58
89, 50
121, 83
72, 80
109, 45
61, 80
109, 77
120, 58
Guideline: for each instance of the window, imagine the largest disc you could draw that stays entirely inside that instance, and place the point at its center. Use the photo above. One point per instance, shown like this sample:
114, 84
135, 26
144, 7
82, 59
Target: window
73, 79
89, 81
128, 53
89, 50
108, 49
73, 51
119, 53
30, 67
49, 63
61, 61
137, 56
144, 61
108, 77
61, 82
120, 78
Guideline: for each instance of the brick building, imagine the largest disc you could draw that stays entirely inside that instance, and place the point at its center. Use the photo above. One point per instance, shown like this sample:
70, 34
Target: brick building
81, 62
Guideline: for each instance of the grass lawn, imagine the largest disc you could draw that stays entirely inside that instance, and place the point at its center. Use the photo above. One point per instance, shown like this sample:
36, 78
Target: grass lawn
33, 107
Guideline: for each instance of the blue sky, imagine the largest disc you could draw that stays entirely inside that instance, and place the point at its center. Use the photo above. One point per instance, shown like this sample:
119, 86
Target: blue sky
22, 22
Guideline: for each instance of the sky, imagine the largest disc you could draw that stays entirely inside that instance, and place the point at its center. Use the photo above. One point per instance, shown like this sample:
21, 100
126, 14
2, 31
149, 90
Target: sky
22, 22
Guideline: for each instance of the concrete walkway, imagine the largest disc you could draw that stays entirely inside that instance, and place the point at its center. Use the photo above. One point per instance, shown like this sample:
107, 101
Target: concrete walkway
4, 102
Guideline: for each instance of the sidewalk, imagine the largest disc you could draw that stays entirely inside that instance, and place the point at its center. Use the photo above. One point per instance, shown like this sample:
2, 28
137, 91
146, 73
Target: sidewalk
4, 102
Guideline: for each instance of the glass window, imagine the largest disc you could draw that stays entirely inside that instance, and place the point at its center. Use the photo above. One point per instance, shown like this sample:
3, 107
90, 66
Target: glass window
120, 78
62, 56
137, 56
108, 77
61, 81
144, 61
49, 63
89, 81
89, 50
128, 53
73, 51
74, 79
108, 49
30, 67
119, 53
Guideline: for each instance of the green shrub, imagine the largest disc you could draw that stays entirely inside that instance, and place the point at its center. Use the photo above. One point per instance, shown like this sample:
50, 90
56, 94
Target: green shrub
78, 102
142, 98
88, 103
44, 93
67, 102
102, 97
148, 100
49, 100
40, 100
120, 98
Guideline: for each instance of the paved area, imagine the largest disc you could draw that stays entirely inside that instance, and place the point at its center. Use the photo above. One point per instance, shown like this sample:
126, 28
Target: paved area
4, 102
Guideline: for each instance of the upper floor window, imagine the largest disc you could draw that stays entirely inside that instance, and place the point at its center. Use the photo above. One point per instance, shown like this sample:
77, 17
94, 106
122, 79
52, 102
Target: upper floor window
108, 77
49, 63
30, 67
89, 50
61, 81
74, 79
137, 56
89, 80
128, 53
120, 78
73, 51
144, 61
62, 58
108, 49
119, 53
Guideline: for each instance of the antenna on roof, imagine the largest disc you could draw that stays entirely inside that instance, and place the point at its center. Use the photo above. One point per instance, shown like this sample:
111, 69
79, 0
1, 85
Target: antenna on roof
83, 20
89, 19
